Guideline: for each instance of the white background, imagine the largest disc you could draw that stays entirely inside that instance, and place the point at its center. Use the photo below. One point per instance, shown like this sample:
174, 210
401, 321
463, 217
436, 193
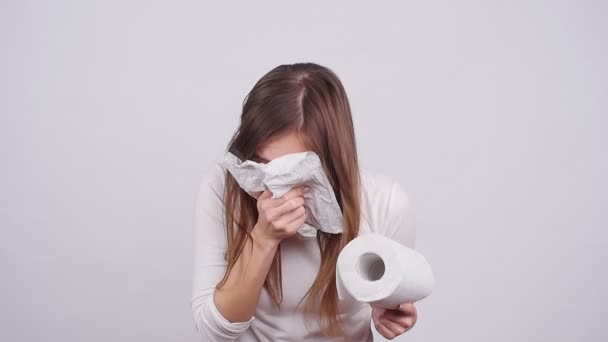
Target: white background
493, 115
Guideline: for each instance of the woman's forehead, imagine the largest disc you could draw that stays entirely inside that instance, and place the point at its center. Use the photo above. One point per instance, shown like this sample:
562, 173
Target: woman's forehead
278, 146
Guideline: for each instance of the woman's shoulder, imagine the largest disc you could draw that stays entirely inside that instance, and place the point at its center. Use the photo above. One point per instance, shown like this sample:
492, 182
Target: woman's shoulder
213, 175
386, 206
375, 180
210, 192
380, 187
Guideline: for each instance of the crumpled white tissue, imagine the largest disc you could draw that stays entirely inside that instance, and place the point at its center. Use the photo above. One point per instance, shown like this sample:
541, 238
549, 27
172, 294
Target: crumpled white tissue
286, 172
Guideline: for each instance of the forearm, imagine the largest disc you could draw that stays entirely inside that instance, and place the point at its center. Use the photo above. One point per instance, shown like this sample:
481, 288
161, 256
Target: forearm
238, 297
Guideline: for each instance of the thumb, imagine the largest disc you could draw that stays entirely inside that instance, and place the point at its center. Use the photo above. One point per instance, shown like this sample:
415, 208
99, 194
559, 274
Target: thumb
267, 193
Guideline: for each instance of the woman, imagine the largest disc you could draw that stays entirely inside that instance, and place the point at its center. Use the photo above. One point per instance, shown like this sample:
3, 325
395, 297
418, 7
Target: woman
260, 281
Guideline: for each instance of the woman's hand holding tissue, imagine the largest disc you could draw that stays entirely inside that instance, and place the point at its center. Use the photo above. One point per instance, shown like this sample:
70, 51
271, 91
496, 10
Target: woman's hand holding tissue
391, 323
279, 218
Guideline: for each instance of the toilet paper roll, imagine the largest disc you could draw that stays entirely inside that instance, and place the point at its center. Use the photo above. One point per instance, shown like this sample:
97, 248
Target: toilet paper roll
375, 269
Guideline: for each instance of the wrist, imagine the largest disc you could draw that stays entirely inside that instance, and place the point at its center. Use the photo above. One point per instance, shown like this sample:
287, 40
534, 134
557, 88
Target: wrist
261, 241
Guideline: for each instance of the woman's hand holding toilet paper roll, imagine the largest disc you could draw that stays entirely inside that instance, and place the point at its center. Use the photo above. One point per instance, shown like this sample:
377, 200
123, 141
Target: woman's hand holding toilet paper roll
389, 276
391, 323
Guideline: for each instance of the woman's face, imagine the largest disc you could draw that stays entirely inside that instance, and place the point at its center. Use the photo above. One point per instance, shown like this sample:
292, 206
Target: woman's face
287, 143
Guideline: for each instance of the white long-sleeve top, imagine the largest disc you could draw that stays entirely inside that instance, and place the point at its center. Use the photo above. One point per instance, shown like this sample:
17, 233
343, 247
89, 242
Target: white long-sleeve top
385, 209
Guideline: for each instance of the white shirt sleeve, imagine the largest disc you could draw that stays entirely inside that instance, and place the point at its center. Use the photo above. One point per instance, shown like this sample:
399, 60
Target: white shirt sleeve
209, 246
399, 222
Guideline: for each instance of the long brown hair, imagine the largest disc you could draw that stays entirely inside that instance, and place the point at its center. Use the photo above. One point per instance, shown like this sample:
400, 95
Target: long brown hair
308, 99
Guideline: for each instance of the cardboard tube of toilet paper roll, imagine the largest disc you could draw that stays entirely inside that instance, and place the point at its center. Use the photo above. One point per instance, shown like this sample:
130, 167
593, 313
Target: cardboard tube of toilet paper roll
377, 270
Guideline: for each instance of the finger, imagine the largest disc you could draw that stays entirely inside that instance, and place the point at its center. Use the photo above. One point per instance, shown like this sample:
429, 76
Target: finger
400, 318
288, 205
265, 194
297, 223
394, 327
383, 330
290, 216
407, 308
296, 191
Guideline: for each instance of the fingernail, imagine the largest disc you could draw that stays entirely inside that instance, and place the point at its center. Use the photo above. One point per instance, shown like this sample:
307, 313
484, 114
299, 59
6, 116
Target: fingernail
306, 189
